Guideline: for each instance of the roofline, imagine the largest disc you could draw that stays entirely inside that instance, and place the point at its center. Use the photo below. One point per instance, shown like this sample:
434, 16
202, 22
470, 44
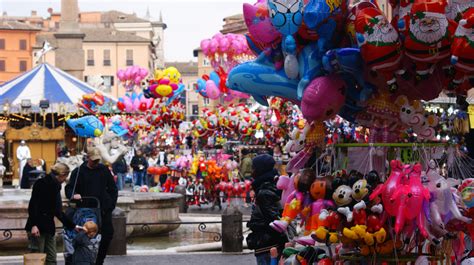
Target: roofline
138, 41
22, 29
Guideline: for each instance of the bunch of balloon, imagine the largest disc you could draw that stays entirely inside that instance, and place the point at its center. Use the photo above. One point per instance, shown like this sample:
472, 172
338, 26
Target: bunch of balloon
166, 83
132, 77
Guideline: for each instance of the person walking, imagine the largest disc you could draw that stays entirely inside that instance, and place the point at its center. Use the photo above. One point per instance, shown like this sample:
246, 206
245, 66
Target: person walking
44, 205
120, 169
93, 179
139, 166
266, 209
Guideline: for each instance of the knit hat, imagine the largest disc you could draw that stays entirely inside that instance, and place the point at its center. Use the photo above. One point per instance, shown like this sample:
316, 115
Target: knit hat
263, 164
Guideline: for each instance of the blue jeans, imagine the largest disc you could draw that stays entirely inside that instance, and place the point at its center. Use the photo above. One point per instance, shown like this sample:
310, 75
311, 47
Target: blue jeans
120, 180
139, 177
263, 259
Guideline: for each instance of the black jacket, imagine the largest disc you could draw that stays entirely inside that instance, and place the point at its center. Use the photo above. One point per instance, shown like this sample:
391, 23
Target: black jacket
137, 161
45, 204
83, 252
97, 182
267, 208
120, 166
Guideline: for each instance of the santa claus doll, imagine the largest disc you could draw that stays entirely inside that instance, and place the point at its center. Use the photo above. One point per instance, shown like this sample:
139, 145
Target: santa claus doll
379, 45
429, 37
462, 52
457, 8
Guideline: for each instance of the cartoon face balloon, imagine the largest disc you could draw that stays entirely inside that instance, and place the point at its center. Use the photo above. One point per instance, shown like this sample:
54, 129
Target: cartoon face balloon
258, 23
286, 15
316, 104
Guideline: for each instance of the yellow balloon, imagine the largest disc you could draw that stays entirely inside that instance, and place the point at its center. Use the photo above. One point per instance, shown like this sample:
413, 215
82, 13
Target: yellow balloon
158, 74
173, 74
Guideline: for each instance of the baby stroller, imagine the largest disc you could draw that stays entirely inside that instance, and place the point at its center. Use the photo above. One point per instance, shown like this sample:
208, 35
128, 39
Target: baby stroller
88, 209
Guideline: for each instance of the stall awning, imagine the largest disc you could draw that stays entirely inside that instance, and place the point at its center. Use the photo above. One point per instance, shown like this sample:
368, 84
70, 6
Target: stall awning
47, 82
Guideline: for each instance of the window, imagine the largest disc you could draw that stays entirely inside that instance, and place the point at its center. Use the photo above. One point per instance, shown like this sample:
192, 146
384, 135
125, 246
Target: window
206, 101
22, 66
129, 61
86, 77
2, 65
56, 25
23, 45
206, 62
90, 57
195, 109
106, 57
2, 44
108, 83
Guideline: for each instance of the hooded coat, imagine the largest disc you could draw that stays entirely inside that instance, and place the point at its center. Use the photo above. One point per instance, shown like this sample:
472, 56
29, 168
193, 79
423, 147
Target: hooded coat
267, 207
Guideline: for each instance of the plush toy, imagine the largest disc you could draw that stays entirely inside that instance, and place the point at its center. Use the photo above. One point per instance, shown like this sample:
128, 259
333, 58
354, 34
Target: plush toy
295, 203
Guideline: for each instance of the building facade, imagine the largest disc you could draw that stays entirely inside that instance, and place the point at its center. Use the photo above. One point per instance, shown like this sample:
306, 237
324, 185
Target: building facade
16, 42
113, 40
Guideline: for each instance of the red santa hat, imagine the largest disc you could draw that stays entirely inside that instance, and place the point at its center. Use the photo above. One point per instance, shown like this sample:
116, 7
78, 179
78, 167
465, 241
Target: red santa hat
467, 20
367, 18
433, 8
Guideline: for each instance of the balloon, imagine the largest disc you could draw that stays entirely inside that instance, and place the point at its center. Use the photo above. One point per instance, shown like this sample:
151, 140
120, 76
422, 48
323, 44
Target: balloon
286, 18
258, 23
121, 105
121, 75
462, 52
86, 126
205, 46
211, 90
323, 98
143, 73
260, 79
214, 77
172, 74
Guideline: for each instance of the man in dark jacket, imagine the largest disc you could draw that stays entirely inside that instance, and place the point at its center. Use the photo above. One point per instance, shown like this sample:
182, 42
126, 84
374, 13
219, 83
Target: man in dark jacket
120, 169
139, 165
267, 208
93, 179
45, 204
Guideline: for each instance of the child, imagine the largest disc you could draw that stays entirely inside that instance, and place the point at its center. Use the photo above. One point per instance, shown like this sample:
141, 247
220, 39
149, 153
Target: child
86, 245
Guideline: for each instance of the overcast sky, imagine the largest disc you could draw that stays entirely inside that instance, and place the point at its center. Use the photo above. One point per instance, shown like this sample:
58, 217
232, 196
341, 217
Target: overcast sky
188, 21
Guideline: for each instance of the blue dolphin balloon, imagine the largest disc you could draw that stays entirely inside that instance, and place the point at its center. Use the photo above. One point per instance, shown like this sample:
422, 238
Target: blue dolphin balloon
310, 66
176, 93
260, 79
87, 126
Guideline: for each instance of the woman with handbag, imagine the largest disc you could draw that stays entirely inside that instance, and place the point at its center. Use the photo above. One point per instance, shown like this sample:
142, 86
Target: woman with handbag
266, 209
45, 204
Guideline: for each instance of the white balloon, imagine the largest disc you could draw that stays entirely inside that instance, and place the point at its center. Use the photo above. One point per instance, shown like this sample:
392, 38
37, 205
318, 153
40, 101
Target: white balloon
291, 66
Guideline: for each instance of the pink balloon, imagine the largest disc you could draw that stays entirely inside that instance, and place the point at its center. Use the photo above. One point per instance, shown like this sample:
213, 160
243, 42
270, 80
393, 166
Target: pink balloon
214, 44
134, 72
127, 101
136, 104
138, 80
120, 75
143, 72
128, 74
205, 46
212, 90
224, 45
323, 98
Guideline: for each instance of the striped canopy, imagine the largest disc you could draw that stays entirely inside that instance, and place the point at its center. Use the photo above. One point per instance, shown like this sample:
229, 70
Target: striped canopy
47, 82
